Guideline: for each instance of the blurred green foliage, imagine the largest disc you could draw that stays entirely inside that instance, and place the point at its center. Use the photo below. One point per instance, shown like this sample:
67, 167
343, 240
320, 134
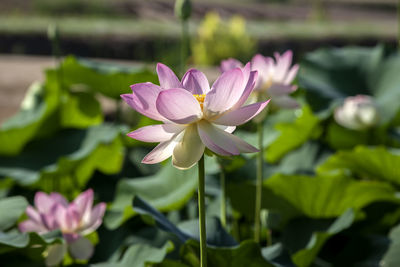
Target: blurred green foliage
218, 39
74, 7
330, 192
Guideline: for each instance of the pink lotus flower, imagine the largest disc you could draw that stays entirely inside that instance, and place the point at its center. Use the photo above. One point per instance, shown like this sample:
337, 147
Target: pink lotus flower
274, 77
194, 115
357, 113
42, 219
74, 220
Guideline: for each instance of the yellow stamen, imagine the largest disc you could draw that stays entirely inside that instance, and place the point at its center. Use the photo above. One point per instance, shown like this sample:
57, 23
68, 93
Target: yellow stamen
200, 98
267, 84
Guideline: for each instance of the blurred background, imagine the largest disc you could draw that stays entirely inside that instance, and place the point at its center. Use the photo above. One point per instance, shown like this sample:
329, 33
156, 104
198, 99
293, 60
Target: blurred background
333, 184
147, 31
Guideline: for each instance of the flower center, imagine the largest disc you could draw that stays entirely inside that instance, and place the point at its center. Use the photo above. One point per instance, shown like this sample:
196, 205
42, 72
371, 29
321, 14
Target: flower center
267, 84
200, 98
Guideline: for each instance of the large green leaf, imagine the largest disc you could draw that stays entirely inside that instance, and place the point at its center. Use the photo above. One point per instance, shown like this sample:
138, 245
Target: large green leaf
38, 106
66, 161
374, 163
11, 209
335, 73
246, 254
167, 190
80, 110
140, 255
314, 197
108, 79
293, 135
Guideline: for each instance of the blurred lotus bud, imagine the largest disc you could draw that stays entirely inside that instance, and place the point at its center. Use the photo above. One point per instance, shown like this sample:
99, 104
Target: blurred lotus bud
183, 9
357, 113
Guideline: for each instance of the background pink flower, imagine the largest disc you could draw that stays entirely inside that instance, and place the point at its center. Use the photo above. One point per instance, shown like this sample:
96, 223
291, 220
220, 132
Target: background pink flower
275, 77
42, 217
229, 64
74, 220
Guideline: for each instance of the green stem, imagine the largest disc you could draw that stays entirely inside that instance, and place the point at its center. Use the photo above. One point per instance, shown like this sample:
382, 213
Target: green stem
257, 228
202, 215
223, 197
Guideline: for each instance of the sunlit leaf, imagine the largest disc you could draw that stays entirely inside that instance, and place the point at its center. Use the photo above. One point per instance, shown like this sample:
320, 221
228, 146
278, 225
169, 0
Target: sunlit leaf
80, 110
314, 197
292, 135
373, 163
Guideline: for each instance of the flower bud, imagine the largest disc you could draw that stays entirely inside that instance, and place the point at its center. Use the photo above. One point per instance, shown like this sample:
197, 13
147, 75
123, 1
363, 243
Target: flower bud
357, 113
53, 33
183, 9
